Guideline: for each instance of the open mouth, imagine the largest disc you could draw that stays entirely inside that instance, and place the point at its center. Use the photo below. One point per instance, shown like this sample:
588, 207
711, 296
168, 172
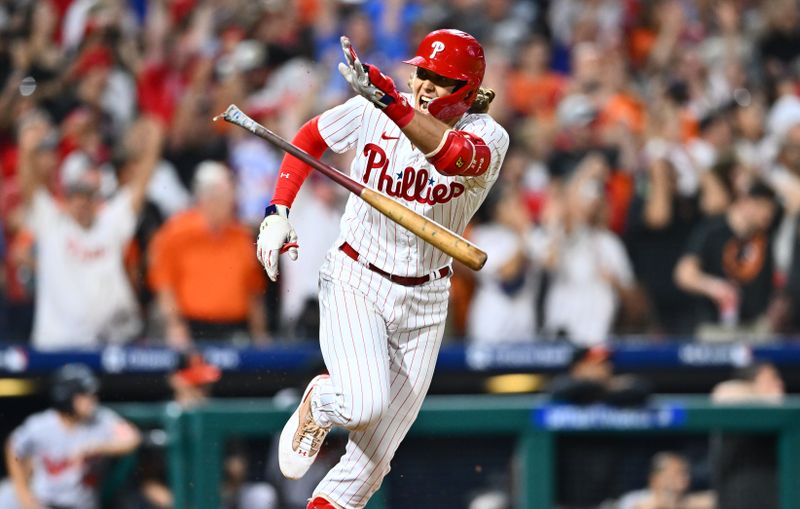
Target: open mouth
424, 102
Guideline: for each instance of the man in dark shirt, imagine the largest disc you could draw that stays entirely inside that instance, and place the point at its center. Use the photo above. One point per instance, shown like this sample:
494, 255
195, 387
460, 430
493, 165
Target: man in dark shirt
591, 379
590, 462
660, 220
745, 471
728, 263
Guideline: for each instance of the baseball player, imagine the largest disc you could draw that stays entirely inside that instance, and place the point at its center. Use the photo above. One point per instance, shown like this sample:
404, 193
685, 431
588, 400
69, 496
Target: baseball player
54, 456
383, 291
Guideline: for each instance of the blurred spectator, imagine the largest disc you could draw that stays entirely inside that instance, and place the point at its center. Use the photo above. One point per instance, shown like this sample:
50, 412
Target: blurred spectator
591, 465
56, 457
575, 21
720, 185
589, 273
751, 146
792, 290
745, 466
165, 196
238, 491
667, 487
19, 280
591, 379
659, 222
785, 109
208, 284
534, 89
2, 282
714, 137
81, 245
503, 306
727, 47
316, 221
577, 136
684, 82
256, 164
192, 382
780, 44
728, 264
784, 178
508, 22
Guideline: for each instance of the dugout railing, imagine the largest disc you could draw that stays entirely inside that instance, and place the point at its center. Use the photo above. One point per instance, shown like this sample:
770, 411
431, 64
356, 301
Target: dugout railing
196, 438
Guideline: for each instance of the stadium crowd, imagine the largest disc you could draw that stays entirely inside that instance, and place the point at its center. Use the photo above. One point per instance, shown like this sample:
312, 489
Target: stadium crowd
652, 185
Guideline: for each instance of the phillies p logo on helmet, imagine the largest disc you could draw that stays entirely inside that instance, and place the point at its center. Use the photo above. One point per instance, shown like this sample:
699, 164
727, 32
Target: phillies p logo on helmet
437, 47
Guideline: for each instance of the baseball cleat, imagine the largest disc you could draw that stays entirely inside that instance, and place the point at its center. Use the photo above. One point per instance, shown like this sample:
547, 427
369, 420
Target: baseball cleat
301, 437
320, 503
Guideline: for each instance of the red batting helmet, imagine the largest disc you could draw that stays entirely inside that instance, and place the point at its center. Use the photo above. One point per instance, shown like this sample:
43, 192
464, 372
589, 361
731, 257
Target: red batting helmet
456, 55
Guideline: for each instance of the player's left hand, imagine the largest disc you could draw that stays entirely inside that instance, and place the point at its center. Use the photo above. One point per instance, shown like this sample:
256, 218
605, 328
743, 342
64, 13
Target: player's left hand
369, 82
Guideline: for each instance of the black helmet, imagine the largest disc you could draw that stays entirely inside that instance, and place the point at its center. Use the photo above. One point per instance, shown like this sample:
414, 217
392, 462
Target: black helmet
69, 380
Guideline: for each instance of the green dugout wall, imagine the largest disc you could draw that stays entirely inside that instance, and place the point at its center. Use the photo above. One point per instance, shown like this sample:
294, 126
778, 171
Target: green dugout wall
196, 438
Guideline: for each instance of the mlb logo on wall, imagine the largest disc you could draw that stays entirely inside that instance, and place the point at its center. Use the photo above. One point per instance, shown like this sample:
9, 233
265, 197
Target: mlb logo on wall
113, 359
13, 359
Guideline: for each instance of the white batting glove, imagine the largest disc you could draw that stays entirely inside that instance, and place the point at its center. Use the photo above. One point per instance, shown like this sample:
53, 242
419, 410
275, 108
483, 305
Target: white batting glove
275, 236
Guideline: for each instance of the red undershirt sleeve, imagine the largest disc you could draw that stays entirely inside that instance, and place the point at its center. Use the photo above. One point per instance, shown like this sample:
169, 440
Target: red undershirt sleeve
293, 171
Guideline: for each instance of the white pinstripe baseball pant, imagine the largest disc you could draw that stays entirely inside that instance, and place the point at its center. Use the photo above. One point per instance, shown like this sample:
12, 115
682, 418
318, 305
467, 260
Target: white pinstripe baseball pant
380, 341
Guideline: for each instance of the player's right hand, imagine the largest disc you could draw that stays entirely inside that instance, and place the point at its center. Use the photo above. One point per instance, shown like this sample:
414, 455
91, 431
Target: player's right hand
276, 236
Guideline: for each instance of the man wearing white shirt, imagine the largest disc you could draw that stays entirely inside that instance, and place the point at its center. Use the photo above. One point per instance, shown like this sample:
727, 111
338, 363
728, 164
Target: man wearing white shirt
590, 274
503, 307
83, 296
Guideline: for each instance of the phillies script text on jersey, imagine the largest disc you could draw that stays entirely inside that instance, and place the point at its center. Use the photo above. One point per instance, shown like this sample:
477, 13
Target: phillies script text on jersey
387, 161
415, 184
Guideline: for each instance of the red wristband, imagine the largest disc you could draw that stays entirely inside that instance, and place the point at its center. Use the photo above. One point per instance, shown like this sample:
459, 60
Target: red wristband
397, 108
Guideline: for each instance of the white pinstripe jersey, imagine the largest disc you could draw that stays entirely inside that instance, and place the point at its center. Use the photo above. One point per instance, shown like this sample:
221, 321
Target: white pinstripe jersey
387, 161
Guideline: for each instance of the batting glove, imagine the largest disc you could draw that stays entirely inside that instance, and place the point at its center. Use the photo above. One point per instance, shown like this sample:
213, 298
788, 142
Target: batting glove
275, 236
375, 86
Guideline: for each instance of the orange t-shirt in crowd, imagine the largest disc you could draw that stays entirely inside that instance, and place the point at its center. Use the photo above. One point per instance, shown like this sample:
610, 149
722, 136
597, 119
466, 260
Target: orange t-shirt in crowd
625, 109
213, 274
538, 96
640, 44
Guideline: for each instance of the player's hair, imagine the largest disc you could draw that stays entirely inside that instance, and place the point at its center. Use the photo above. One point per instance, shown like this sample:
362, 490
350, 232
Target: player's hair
483, 99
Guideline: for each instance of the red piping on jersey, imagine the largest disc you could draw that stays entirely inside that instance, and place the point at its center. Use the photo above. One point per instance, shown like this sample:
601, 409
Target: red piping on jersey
293, 171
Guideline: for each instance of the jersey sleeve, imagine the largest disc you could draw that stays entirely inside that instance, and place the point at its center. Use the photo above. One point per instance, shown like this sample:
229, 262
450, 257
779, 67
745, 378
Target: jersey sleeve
118, 216
339, 126
110, 425
617, 261
495, 137
43, 212
23, 439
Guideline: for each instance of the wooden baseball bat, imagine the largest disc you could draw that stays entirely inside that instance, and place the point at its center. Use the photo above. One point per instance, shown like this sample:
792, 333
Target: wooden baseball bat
426, 229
